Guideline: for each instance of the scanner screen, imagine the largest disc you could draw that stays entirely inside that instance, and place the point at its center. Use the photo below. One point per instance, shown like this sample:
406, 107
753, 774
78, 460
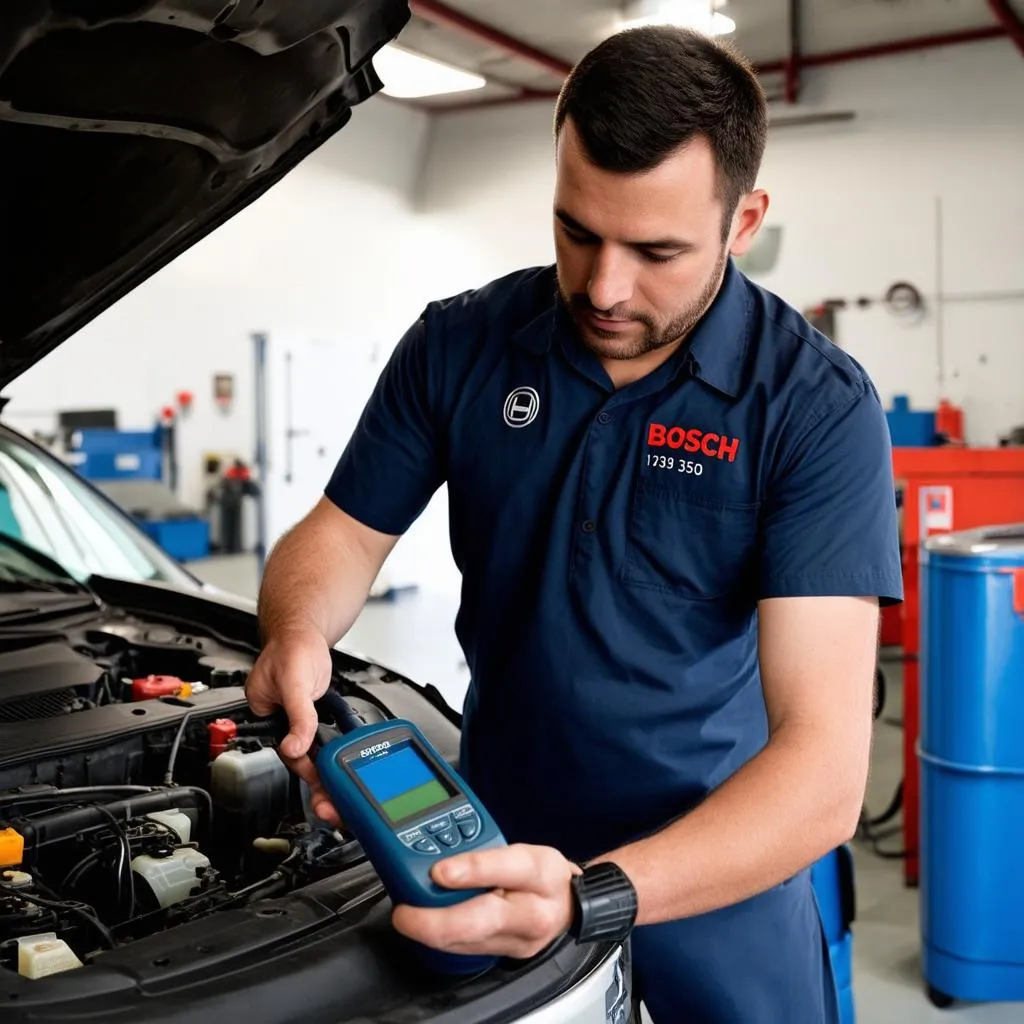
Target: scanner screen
402, 783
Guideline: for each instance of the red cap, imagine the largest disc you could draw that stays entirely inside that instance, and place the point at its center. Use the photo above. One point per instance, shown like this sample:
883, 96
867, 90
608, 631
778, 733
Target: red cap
222, 731
156, 686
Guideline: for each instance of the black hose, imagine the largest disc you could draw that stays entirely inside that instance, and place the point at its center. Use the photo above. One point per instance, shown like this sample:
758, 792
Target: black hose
890, 812
62, 795
124, 865
344, 717
73, 877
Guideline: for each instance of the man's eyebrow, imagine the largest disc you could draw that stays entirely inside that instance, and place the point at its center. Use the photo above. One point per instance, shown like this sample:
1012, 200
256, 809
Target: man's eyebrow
669, 244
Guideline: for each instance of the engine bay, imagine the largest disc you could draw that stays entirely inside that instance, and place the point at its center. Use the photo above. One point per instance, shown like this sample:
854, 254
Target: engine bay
139, 792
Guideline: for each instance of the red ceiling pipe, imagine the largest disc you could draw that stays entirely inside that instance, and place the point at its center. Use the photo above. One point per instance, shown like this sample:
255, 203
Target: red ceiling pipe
1009, 20
442, 14
899, 46
815, 60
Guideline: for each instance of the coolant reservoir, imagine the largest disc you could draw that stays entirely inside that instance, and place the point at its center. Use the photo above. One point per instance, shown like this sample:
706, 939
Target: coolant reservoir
172, 878
252, 783
44, 954
177, 821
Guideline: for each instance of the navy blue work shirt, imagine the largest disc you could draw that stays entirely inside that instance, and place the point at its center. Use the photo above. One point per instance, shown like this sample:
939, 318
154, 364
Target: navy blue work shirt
614, 543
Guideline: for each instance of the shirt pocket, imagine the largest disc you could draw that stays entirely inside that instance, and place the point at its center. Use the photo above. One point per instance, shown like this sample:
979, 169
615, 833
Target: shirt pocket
691, 547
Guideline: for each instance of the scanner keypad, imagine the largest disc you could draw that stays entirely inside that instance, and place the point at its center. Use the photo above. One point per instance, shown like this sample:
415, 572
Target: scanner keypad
446, 831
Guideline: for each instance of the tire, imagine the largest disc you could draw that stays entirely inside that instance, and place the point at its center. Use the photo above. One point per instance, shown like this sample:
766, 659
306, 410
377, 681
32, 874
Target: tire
939, 999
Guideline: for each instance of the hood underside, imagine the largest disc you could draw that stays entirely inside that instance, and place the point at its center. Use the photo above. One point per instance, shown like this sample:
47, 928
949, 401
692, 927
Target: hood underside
130, 129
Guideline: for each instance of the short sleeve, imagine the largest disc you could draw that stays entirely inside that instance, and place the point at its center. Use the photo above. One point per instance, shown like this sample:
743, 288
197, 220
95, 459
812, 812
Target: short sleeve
830, 523
392, 465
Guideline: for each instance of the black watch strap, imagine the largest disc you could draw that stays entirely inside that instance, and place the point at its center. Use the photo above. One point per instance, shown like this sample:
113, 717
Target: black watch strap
604, 904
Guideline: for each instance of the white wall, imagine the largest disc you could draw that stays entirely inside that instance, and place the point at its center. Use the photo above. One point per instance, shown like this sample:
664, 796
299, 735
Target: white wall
333, 250
856, 200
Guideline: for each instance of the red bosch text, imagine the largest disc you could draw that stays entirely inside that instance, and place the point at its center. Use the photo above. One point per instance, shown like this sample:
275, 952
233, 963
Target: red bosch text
715, 446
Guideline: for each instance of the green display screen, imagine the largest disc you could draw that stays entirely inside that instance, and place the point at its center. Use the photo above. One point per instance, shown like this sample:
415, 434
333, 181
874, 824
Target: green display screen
415, 800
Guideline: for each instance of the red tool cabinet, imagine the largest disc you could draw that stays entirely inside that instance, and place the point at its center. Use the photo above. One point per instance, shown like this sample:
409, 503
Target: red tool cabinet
944, 489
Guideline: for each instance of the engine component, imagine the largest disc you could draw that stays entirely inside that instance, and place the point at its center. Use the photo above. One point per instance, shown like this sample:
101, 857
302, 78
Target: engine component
68, 821
16, 879
42, 955
253, 784
172, 879
12, 848
164, 686
43, 680
177, 821
222, 732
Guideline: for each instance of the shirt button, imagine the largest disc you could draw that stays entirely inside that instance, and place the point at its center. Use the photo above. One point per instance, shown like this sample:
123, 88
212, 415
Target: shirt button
589, 526
604, 418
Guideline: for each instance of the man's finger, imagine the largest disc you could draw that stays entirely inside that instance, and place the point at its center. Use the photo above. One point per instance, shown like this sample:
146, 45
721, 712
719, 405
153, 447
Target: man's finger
519, 867
324, 809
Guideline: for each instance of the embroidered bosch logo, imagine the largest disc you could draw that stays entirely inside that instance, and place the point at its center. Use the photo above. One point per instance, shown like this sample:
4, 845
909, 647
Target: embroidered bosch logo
521, 407
714, 446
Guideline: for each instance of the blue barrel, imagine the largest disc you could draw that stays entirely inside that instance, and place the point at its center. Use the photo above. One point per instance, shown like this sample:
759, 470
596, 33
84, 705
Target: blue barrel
833, 881
971, 752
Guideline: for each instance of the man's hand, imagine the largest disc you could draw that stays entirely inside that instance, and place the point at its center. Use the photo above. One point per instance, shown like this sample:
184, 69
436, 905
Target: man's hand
294, 670
530, 907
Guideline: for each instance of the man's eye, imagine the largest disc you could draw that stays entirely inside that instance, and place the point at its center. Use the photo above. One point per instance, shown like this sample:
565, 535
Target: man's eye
655, 257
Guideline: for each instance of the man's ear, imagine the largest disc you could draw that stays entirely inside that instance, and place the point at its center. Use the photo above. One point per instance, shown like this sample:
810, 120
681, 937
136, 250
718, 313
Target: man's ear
747, 221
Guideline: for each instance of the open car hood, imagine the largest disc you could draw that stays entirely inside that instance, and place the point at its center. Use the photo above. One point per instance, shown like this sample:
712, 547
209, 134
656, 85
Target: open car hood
130, 129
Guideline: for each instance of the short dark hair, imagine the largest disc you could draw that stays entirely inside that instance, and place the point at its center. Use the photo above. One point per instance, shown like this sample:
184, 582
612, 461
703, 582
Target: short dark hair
644, 93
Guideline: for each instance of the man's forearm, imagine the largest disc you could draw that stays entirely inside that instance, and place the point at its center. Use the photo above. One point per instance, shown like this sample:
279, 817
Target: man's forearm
319, 576
784, 810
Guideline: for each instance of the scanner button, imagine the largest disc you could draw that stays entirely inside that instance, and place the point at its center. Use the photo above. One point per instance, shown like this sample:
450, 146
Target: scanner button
449, 837
426, 846
463, 812
411, 836
470, 827
439, 825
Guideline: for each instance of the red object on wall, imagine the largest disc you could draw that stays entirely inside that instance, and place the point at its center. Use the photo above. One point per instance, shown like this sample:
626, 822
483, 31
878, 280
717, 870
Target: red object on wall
944, 489
156, 686
949, 420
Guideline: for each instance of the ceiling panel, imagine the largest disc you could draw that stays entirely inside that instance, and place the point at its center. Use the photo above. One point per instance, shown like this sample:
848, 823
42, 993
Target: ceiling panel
567, 29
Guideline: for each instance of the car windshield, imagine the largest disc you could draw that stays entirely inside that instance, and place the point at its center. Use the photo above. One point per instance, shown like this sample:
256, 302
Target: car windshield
47, 507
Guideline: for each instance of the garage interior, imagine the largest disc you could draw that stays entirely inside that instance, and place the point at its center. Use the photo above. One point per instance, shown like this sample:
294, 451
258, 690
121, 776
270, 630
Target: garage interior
213, 401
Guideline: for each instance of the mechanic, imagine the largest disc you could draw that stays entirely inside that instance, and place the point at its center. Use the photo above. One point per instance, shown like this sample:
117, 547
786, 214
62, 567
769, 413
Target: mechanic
672, 505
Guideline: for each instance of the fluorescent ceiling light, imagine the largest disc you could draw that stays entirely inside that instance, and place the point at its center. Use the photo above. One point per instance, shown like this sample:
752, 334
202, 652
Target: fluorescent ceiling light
407, 75
698, 14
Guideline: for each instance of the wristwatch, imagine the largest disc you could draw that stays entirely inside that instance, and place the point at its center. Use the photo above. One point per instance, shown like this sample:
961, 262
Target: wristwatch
604, 904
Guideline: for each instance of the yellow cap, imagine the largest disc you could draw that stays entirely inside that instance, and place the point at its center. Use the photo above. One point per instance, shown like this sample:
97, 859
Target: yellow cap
12, 848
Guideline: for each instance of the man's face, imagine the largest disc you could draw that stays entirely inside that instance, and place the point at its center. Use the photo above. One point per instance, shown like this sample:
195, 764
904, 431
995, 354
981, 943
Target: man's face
640, 257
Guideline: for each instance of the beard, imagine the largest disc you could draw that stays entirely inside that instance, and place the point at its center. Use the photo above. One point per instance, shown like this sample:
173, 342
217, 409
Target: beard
612, 345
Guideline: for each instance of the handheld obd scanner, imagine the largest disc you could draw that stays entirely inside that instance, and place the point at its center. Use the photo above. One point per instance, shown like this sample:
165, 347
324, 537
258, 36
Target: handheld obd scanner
408, 809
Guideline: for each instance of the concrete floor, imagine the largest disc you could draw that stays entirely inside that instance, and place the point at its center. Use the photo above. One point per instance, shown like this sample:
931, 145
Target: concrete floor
411, 636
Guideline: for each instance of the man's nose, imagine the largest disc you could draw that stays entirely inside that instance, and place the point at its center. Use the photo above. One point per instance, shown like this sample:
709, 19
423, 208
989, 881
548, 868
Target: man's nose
611, 279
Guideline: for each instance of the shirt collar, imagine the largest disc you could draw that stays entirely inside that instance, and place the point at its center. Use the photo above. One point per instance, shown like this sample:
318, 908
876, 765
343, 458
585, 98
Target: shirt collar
537, 334
715, 353
717, 349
